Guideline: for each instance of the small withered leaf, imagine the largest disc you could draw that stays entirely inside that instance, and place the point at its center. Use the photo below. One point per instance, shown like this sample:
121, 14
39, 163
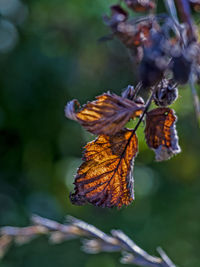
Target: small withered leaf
195, 5
106, 115
160, 133
133, 36
105, 177
140, 5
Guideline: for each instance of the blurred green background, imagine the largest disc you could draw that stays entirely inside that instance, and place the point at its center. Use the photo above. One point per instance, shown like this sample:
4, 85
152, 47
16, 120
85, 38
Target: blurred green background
50, 54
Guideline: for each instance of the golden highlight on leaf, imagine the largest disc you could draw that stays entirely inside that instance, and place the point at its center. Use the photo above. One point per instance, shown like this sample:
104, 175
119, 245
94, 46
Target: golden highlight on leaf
160, 132
105, 177
106, 115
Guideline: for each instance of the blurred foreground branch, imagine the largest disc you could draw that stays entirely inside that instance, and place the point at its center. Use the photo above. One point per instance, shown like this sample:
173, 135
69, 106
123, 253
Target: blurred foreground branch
97, 240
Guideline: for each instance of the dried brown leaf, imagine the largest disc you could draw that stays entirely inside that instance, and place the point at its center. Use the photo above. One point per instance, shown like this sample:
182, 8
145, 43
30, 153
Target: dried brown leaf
106, 115
140, 5
105, 179
160, 132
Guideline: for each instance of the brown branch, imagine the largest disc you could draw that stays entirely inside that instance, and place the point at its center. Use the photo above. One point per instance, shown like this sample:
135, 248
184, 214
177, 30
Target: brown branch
184, 12
97, 241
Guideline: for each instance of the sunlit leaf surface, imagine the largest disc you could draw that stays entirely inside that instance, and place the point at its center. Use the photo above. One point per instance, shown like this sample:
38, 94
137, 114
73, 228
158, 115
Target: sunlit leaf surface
106, 115
105, 178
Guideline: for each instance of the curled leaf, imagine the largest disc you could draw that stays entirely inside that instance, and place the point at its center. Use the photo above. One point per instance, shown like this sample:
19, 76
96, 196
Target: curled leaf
129, 92
70, 109
106, 115
105, 179
160, 133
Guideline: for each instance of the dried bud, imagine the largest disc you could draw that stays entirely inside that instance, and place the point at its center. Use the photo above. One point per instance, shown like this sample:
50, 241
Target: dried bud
57, 237
181, 68
118, 15
129, 92
150, 73
117, 10
127, 258
94, 246
166, 93
154, 62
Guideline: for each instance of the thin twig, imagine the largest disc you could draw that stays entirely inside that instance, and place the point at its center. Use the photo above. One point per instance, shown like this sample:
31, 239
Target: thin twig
97, 241
137, 89
171, 8
148, 103
184, 11
195, 100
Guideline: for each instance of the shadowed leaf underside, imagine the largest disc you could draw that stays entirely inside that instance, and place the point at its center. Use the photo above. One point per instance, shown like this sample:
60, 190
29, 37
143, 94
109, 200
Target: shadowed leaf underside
105, 177
160, 133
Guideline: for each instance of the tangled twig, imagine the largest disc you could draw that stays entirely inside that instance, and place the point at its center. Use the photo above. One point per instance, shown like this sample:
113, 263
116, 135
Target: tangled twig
97, 241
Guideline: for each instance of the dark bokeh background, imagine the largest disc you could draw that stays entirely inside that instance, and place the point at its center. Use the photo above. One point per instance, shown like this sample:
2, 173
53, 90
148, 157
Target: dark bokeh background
49, 54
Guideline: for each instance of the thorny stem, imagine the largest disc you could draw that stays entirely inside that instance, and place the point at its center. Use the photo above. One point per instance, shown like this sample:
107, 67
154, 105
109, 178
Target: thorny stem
97, 241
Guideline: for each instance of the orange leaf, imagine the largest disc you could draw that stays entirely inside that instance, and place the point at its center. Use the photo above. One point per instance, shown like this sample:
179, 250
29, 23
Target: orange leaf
161, 133
106, 115
104, 178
